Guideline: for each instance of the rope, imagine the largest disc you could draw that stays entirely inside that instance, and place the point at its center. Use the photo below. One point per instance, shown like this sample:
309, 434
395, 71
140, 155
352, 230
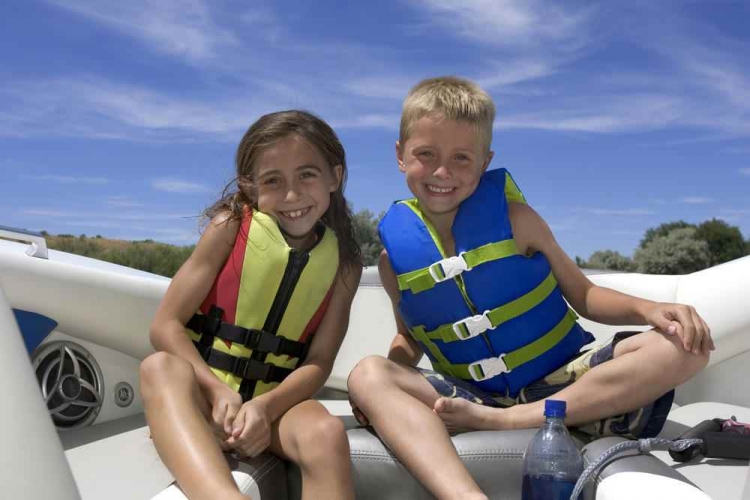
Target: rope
642, 446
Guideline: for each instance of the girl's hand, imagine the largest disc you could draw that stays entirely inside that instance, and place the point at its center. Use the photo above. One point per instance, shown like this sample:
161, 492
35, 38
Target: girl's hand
684, 321
251, 433
225, 404
358, 415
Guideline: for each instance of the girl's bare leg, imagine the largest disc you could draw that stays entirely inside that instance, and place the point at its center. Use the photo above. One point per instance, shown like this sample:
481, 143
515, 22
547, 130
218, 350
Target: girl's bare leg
177, 412
316, 441
398, 402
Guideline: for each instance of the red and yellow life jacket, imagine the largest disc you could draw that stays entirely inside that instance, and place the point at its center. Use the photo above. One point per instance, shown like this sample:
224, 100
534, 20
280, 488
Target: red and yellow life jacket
265, 305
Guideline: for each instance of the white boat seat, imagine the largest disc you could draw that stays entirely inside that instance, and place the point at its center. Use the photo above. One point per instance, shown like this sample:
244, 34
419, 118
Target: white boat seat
127, 466
721, 483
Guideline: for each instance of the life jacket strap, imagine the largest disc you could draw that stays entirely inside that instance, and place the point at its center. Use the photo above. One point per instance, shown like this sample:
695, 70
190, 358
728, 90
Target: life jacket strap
492, 367
257, 340
423, 279
247, 368
472, 326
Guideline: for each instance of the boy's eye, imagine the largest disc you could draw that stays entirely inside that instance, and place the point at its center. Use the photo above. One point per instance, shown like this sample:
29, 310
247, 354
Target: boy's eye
425, 154
461, 157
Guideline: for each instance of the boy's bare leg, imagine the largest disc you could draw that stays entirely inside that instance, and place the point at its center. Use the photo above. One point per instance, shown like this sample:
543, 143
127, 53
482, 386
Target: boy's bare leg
316, 441
398, 402
643, 368
175, 410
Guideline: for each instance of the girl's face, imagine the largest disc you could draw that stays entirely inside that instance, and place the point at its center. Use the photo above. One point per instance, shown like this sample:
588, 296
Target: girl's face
294, 185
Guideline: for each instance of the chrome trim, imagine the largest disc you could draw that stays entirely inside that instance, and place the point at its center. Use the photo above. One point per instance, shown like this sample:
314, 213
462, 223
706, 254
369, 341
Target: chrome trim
38, 245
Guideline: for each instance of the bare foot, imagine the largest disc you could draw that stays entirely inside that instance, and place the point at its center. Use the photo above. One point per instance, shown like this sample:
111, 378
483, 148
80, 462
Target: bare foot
461, 415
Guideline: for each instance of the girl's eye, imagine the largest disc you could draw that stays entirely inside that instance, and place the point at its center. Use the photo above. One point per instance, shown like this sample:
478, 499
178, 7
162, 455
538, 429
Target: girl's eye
425, 154
307, 175
271, 181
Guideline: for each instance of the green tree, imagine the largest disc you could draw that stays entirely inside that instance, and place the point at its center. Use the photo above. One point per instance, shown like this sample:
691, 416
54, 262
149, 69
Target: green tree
677, 252
607, 259
366, 233
725, 242
662, 230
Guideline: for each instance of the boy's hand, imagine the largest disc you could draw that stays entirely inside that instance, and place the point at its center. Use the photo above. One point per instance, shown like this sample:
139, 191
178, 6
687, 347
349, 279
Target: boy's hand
251, 432
684, 321
225, 404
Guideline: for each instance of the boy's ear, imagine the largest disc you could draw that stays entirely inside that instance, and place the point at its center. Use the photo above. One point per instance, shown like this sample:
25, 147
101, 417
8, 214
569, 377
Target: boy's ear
488, 159
338, 172
400, 157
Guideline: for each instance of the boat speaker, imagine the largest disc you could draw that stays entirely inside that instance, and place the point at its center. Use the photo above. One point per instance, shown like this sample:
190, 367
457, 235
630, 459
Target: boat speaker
71, 382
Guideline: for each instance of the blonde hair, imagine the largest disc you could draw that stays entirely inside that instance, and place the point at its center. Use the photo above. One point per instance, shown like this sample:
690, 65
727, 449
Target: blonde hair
451, 98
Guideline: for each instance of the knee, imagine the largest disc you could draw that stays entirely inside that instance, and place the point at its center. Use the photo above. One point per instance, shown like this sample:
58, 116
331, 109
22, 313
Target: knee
160, 370
321, 441
682, 363
370, 373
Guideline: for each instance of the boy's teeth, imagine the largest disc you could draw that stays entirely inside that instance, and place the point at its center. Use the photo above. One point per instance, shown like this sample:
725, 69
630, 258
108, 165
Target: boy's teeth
436, 189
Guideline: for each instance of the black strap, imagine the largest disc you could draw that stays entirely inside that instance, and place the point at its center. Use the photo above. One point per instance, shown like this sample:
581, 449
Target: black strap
257, 340
207, 325
246, 368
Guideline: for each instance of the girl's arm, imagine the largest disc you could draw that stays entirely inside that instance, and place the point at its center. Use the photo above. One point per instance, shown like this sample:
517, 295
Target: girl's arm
309, 377
187, 291
601, 304
404, 349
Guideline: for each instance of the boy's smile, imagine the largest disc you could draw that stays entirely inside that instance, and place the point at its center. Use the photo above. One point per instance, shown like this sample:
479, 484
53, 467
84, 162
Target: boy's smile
294, 185
443, 161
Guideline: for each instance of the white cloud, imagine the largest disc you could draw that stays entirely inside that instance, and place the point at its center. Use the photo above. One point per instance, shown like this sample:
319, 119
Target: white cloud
510, 22
627, 212
104, 215
696, 200
67, 179
178, 186
745, 171
122, 202
623, 114
184, 28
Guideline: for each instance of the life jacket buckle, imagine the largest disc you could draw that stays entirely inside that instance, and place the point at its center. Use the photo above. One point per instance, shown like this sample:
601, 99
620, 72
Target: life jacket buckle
450, 268
488, 368
472, 326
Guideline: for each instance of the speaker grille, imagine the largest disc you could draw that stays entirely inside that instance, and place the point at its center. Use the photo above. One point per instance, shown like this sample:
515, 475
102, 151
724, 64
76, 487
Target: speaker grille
71, 382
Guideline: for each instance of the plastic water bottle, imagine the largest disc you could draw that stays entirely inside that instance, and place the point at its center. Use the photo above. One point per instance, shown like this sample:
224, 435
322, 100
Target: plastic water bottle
552, 463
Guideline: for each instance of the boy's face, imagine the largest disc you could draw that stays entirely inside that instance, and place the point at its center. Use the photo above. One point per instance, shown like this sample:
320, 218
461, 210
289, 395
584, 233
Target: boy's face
443, 161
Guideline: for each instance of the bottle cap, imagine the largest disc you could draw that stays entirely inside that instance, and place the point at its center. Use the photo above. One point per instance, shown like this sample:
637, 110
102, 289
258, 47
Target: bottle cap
554, 408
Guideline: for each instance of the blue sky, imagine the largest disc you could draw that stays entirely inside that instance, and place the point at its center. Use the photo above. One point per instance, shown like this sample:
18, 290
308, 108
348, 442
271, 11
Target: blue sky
122, 118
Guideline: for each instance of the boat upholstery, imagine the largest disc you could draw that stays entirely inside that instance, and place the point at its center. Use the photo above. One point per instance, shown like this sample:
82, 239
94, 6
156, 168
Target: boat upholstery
118, 308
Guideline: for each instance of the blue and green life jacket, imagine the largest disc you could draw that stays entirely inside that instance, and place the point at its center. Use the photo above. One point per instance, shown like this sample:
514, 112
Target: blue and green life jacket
488, 315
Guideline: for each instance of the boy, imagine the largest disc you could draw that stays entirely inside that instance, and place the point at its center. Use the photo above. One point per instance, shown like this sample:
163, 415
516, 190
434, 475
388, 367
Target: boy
469, 243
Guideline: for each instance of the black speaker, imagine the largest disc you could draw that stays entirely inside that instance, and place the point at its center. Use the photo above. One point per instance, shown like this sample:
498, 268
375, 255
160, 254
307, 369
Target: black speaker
71, 382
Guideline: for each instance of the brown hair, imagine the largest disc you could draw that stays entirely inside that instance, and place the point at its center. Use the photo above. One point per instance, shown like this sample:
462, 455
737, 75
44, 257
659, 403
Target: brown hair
452, 98
268, 130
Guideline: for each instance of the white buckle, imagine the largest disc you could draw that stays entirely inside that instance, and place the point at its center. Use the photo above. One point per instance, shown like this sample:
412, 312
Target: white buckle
476, 325
491, 367
452, 266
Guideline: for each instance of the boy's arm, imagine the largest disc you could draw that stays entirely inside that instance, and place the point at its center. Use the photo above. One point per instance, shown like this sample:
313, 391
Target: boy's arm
601, 304
404, 349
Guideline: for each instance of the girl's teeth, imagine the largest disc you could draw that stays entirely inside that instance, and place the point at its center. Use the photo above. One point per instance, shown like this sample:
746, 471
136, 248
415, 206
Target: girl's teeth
295, 214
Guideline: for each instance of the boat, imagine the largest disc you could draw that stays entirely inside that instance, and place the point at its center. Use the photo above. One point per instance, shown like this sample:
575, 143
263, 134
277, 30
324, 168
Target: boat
75, 329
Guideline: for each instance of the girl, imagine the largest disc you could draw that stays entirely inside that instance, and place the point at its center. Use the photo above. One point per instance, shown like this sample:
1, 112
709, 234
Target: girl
273, 277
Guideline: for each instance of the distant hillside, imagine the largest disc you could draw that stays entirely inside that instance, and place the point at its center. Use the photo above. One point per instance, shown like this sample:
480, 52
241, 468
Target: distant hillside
146, 255
165, 260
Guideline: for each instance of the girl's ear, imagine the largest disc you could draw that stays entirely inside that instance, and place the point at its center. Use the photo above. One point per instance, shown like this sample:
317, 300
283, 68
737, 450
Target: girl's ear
338, 172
